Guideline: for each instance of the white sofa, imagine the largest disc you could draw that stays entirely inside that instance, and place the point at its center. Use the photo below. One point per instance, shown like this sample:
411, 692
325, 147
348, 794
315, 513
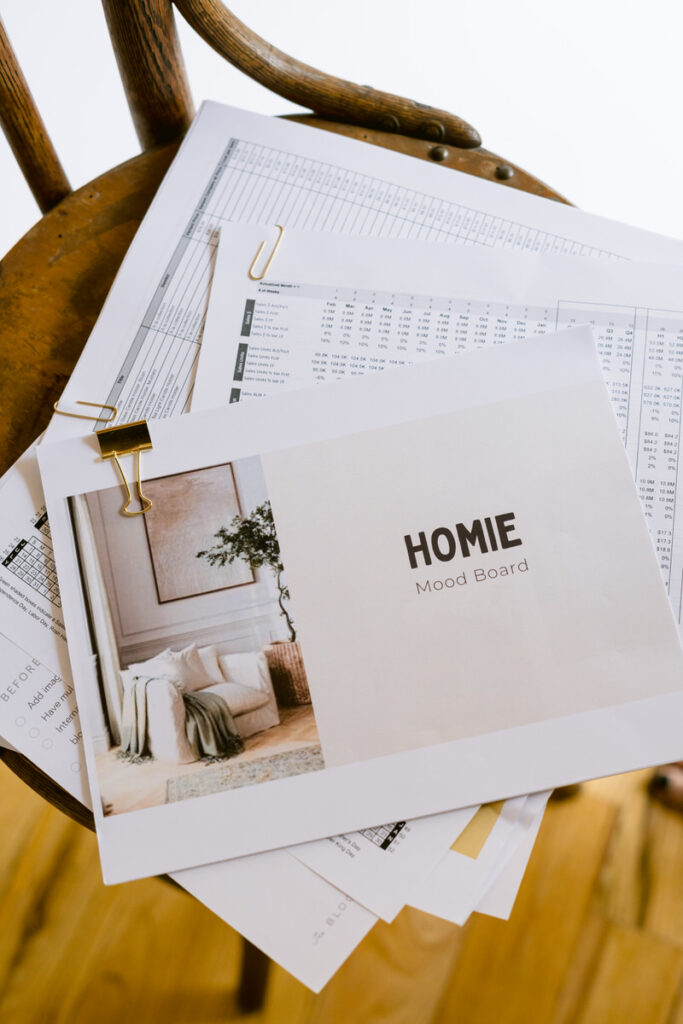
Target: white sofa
241, 680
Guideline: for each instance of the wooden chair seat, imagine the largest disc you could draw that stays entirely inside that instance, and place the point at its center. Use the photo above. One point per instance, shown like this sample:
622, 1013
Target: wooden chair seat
53, 284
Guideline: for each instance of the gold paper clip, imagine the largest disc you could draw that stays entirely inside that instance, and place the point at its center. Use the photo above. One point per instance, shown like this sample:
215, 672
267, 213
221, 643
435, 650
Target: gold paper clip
127, 439
259, 277
95, 405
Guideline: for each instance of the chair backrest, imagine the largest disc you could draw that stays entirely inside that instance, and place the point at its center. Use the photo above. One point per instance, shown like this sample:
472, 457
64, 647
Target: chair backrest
27, 134
150, 62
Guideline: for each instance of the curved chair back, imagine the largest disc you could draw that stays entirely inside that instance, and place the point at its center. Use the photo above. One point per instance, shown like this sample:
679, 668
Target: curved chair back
150, 62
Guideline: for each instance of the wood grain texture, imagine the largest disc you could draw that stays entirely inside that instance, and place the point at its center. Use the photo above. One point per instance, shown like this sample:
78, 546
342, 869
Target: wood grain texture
482, 163
45, 787
329, 97
152, 69
628, 888
635, 980
50, 878
52, 286
26, 132
251, 991
75, 951
662, 905
513, 972
676, 1013
397, 974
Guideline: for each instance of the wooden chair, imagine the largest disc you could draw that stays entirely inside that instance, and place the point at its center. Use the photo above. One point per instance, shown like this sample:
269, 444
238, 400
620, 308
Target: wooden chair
55, 279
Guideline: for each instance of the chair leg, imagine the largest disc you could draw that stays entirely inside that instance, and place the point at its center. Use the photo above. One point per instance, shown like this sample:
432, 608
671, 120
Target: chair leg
564, 792
251, 992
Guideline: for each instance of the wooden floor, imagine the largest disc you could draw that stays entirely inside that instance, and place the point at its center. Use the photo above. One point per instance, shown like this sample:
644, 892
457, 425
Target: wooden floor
596, 936
132, 787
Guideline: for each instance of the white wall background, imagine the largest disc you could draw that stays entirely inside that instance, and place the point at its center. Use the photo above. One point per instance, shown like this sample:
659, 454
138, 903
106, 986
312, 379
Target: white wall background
585, 95
242, 618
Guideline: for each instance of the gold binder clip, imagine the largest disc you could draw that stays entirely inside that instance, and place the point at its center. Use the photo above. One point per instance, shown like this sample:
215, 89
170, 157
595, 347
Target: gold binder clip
127, 439
95, 405
259, 277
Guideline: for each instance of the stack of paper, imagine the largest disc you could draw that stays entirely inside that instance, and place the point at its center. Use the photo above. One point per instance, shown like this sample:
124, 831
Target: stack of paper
412, 597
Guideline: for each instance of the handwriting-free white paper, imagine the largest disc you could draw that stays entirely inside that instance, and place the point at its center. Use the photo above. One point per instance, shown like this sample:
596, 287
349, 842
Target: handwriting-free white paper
498, 899
288, 911
458, 882
575, 699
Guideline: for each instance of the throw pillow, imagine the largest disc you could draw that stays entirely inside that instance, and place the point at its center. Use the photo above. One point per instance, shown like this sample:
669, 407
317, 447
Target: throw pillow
185, 668
209, 656
249, 668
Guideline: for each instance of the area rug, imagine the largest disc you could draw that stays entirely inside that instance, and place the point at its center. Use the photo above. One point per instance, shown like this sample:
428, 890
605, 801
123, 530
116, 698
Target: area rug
235, 774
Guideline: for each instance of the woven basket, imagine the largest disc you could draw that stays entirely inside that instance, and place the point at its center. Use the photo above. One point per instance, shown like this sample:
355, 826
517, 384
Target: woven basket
288, 673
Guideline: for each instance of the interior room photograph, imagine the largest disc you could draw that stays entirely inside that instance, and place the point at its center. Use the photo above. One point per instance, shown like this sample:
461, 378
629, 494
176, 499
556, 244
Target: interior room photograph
540, 141
201, 679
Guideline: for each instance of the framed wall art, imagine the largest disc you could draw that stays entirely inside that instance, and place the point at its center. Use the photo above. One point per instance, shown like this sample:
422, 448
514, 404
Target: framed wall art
187, 510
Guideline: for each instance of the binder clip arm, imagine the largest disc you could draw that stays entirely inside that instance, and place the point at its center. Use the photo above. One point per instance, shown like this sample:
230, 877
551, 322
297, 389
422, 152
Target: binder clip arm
127, 439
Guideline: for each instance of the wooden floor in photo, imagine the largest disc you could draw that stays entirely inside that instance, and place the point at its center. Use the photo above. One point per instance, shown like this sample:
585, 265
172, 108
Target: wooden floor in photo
128, 786
596, 936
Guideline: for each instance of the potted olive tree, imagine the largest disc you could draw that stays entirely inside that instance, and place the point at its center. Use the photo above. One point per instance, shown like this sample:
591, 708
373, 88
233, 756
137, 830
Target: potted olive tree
253, 539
